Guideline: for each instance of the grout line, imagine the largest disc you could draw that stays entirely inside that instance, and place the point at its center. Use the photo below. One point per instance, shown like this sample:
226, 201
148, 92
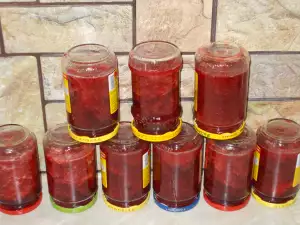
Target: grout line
41, 84
2, 46
55, 4
213, 29
134, 38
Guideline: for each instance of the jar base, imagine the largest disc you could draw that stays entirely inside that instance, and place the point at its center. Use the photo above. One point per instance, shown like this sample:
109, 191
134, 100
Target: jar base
228, 207
273, 202
77, 209
126, 206
176, 207
24, 210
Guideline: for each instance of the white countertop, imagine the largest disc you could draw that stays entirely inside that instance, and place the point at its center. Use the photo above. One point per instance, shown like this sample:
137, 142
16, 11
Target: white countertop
202, 214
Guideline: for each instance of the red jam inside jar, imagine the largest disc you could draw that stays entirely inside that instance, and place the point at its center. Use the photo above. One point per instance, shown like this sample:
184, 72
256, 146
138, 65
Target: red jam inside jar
228, 171
221, 87
276, 175
125, 166
177, 166
91, 91
155, 68
20, 183
71, 171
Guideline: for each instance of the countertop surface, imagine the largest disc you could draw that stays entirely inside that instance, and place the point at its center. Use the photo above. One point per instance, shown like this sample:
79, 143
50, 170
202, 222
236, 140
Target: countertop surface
253, 213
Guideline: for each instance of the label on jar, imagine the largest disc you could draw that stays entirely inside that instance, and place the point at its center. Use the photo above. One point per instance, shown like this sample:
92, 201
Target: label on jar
146, 169
297, 172
103, 169
67, 94
159, 137
224, 136
93, 140
113, 91
196, 92
256, 159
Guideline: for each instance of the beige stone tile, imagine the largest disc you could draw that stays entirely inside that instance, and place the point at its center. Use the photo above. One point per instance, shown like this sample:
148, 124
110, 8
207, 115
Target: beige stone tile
275, 76
86, 0
187, 77
52, 78
55, 114
260, 25
187, 111
20, 101
56, 29
4, 1
185, 23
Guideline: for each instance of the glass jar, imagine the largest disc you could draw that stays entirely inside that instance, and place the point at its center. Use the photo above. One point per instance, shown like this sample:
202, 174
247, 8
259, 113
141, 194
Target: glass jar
71, 171
276, 173
221, 90
177, 166
155, 70
20, 183
125, 166
228, 171
91, 92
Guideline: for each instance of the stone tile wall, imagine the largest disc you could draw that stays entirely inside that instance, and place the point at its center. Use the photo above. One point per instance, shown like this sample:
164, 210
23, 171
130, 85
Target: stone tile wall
35, 33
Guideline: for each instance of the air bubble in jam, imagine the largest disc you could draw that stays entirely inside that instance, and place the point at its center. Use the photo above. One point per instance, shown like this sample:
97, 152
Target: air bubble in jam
155, 68
278, 172
20, 185
222, 72
71, 169
177, 165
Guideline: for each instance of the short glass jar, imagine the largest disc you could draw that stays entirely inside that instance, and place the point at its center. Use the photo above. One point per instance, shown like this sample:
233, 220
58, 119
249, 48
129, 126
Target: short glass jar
125, 166
276, 173
71, 171
221, 90
228, 171
20, 183
177, 166
155, 70
91, 92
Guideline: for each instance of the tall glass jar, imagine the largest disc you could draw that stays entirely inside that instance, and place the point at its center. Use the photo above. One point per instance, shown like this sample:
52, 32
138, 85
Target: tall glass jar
177, 166
221, 90
155, 70
276, 172
20, 183
228, 171
125, 166
91, 92
71, 171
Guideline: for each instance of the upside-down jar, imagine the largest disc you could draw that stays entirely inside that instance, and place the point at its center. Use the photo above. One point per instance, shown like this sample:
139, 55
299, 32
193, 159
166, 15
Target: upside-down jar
125, 166
91, 92
71, 171
20, 184
276, 173
221, 90
177, 166
155, 70
228, 171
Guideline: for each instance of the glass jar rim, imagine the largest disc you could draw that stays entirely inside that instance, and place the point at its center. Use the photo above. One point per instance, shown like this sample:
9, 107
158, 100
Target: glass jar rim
60, 135
13, 140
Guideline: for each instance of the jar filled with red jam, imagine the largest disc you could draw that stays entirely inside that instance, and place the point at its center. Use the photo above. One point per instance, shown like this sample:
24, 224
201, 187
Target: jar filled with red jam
155, 70
221, 90
71, 171
91, 92
276, 173
177, 166
20, 184
125, 166
228, 171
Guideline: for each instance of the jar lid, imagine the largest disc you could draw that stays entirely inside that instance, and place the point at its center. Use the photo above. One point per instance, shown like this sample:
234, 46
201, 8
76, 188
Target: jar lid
186, 140
155, 56
222, 52
90, 60
12, 135
245, 141
60, 135
282, 130
124, 136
